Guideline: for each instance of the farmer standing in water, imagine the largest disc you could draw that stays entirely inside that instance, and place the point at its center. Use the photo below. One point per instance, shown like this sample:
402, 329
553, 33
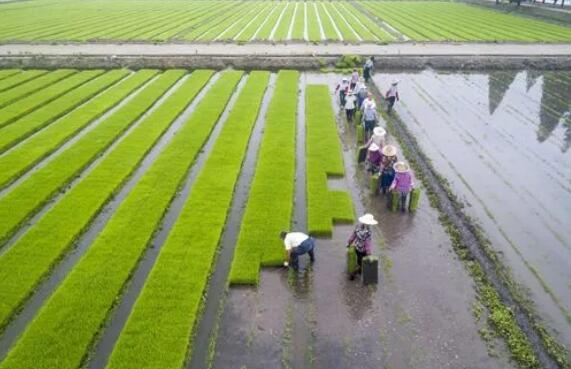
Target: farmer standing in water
392, 96
297, 244
362, 239
368, 69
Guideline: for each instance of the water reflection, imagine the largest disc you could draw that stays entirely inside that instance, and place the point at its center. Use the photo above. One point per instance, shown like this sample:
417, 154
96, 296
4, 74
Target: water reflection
555, 107
499, 83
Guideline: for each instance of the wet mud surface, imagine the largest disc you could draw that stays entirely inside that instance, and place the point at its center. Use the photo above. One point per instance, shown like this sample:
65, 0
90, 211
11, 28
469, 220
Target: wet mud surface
418, 316
502, 140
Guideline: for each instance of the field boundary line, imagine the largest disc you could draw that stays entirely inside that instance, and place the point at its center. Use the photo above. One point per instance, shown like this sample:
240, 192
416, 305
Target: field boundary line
319, 21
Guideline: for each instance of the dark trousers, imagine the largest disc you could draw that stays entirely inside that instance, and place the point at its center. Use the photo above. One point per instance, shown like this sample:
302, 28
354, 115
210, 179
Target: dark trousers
306, 246
403, 196
360, 256
342, 97
391, 100
369, 127
350, 113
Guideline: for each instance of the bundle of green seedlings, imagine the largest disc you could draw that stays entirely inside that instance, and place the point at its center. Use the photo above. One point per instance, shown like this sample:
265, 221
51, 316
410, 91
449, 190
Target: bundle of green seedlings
323, 153
258, 242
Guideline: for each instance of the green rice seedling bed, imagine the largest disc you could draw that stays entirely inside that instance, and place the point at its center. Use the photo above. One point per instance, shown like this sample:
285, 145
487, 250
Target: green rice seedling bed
11, 113
28, 153
24, 264
71, 319
368, 29
313, 30
238, 24
17, 79
326, 23
213, 32
283, 27
178, 280
206, 27
251, 30
346, 30
258, 242
39, 118
24, 200
266, 29
323, 153
298, 32
18, 92
5, 73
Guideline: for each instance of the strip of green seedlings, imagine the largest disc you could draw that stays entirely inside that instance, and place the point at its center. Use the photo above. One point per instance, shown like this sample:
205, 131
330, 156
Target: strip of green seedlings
130, 22
323, 153
160, 26
77, 310
241, 22
156, 22
19, 78
313, 30
370, 26
39, 118
250, 31
178, 280
283, 28
86, 34
173, 27
5, 73
28, 153
266, 29
24, 264
326, 23
207, 26
219, 29
346, 30
273, 183
362, 31
13, 112
26, 89
409, 31
298, 32
147, 21
22, 202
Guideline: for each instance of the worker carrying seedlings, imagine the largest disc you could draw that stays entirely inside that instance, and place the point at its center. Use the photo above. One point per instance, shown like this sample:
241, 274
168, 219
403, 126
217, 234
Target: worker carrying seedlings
392, 95
297, 244
368, 68
403, 182
374, 156
387, 167
362, 240
341, 89
350, 105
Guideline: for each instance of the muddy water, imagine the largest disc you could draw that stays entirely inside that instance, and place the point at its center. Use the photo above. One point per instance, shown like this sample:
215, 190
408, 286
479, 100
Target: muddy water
502, 139
419, 316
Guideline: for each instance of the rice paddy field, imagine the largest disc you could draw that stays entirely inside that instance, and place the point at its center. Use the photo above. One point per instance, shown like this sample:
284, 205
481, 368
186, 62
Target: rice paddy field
266, 21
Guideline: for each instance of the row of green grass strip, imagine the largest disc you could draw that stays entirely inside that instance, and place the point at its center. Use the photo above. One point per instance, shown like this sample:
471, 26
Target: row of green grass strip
48, 113
206, 31
323, 152
22, 201
18, 79
284, 25
326, 23
343, 27
240, 23
64, 329
204, 27
258, 242
28, 153
298, 32
24, 264
11, 113
251, 30
5, 73
178, 280
313, 29
266, 29
399, 25
369, 25
22, 90
172, 28
220, 28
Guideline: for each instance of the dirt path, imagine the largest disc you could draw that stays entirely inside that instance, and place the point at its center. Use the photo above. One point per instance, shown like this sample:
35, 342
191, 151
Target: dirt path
290, 49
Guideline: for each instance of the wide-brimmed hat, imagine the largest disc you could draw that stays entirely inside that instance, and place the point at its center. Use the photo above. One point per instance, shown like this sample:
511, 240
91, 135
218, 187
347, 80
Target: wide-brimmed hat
345, 79
401, 167
374, 147
395, 82
379, 131
368, 219
389, 150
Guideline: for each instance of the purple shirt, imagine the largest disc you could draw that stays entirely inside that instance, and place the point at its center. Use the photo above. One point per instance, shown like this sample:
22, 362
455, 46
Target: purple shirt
368, 242
375, 157
402, 182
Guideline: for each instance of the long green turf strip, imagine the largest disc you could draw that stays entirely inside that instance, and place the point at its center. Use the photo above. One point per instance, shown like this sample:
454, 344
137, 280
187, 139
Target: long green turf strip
5, 73
39, 118
326, 23
178, 279
11, 113
69, 321
266, 29
343, 27
283, 28
323, 152
258, 242
250, 31
371, 27
26, 89
299, 22
28, 153
313, 30
27, 197
32, 256
18, 79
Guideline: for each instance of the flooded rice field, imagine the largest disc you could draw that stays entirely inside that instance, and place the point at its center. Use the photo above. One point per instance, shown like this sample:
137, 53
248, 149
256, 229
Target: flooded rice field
502, 140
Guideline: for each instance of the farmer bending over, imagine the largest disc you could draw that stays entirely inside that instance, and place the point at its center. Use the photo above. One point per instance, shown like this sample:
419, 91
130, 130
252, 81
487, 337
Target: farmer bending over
296, 244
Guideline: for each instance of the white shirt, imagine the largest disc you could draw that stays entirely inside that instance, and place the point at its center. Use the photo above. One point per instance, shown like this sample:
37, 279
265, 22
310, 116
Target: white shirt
350, 101
392, 91
369, 104
294, 239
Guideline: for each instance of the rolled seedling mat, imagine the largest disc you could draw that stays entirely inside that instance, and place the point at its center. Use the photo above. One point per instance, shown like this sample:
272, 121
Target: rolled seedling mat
361, 154
360, 134
370, 272
394, 203
351, 260
374, 183
414, 199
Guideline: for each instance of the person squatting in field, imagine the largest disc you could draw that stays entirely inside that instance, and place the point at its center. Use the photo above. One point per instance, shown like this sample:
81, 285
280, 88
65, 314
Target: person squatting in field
297, 244
362, 239
403, 182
